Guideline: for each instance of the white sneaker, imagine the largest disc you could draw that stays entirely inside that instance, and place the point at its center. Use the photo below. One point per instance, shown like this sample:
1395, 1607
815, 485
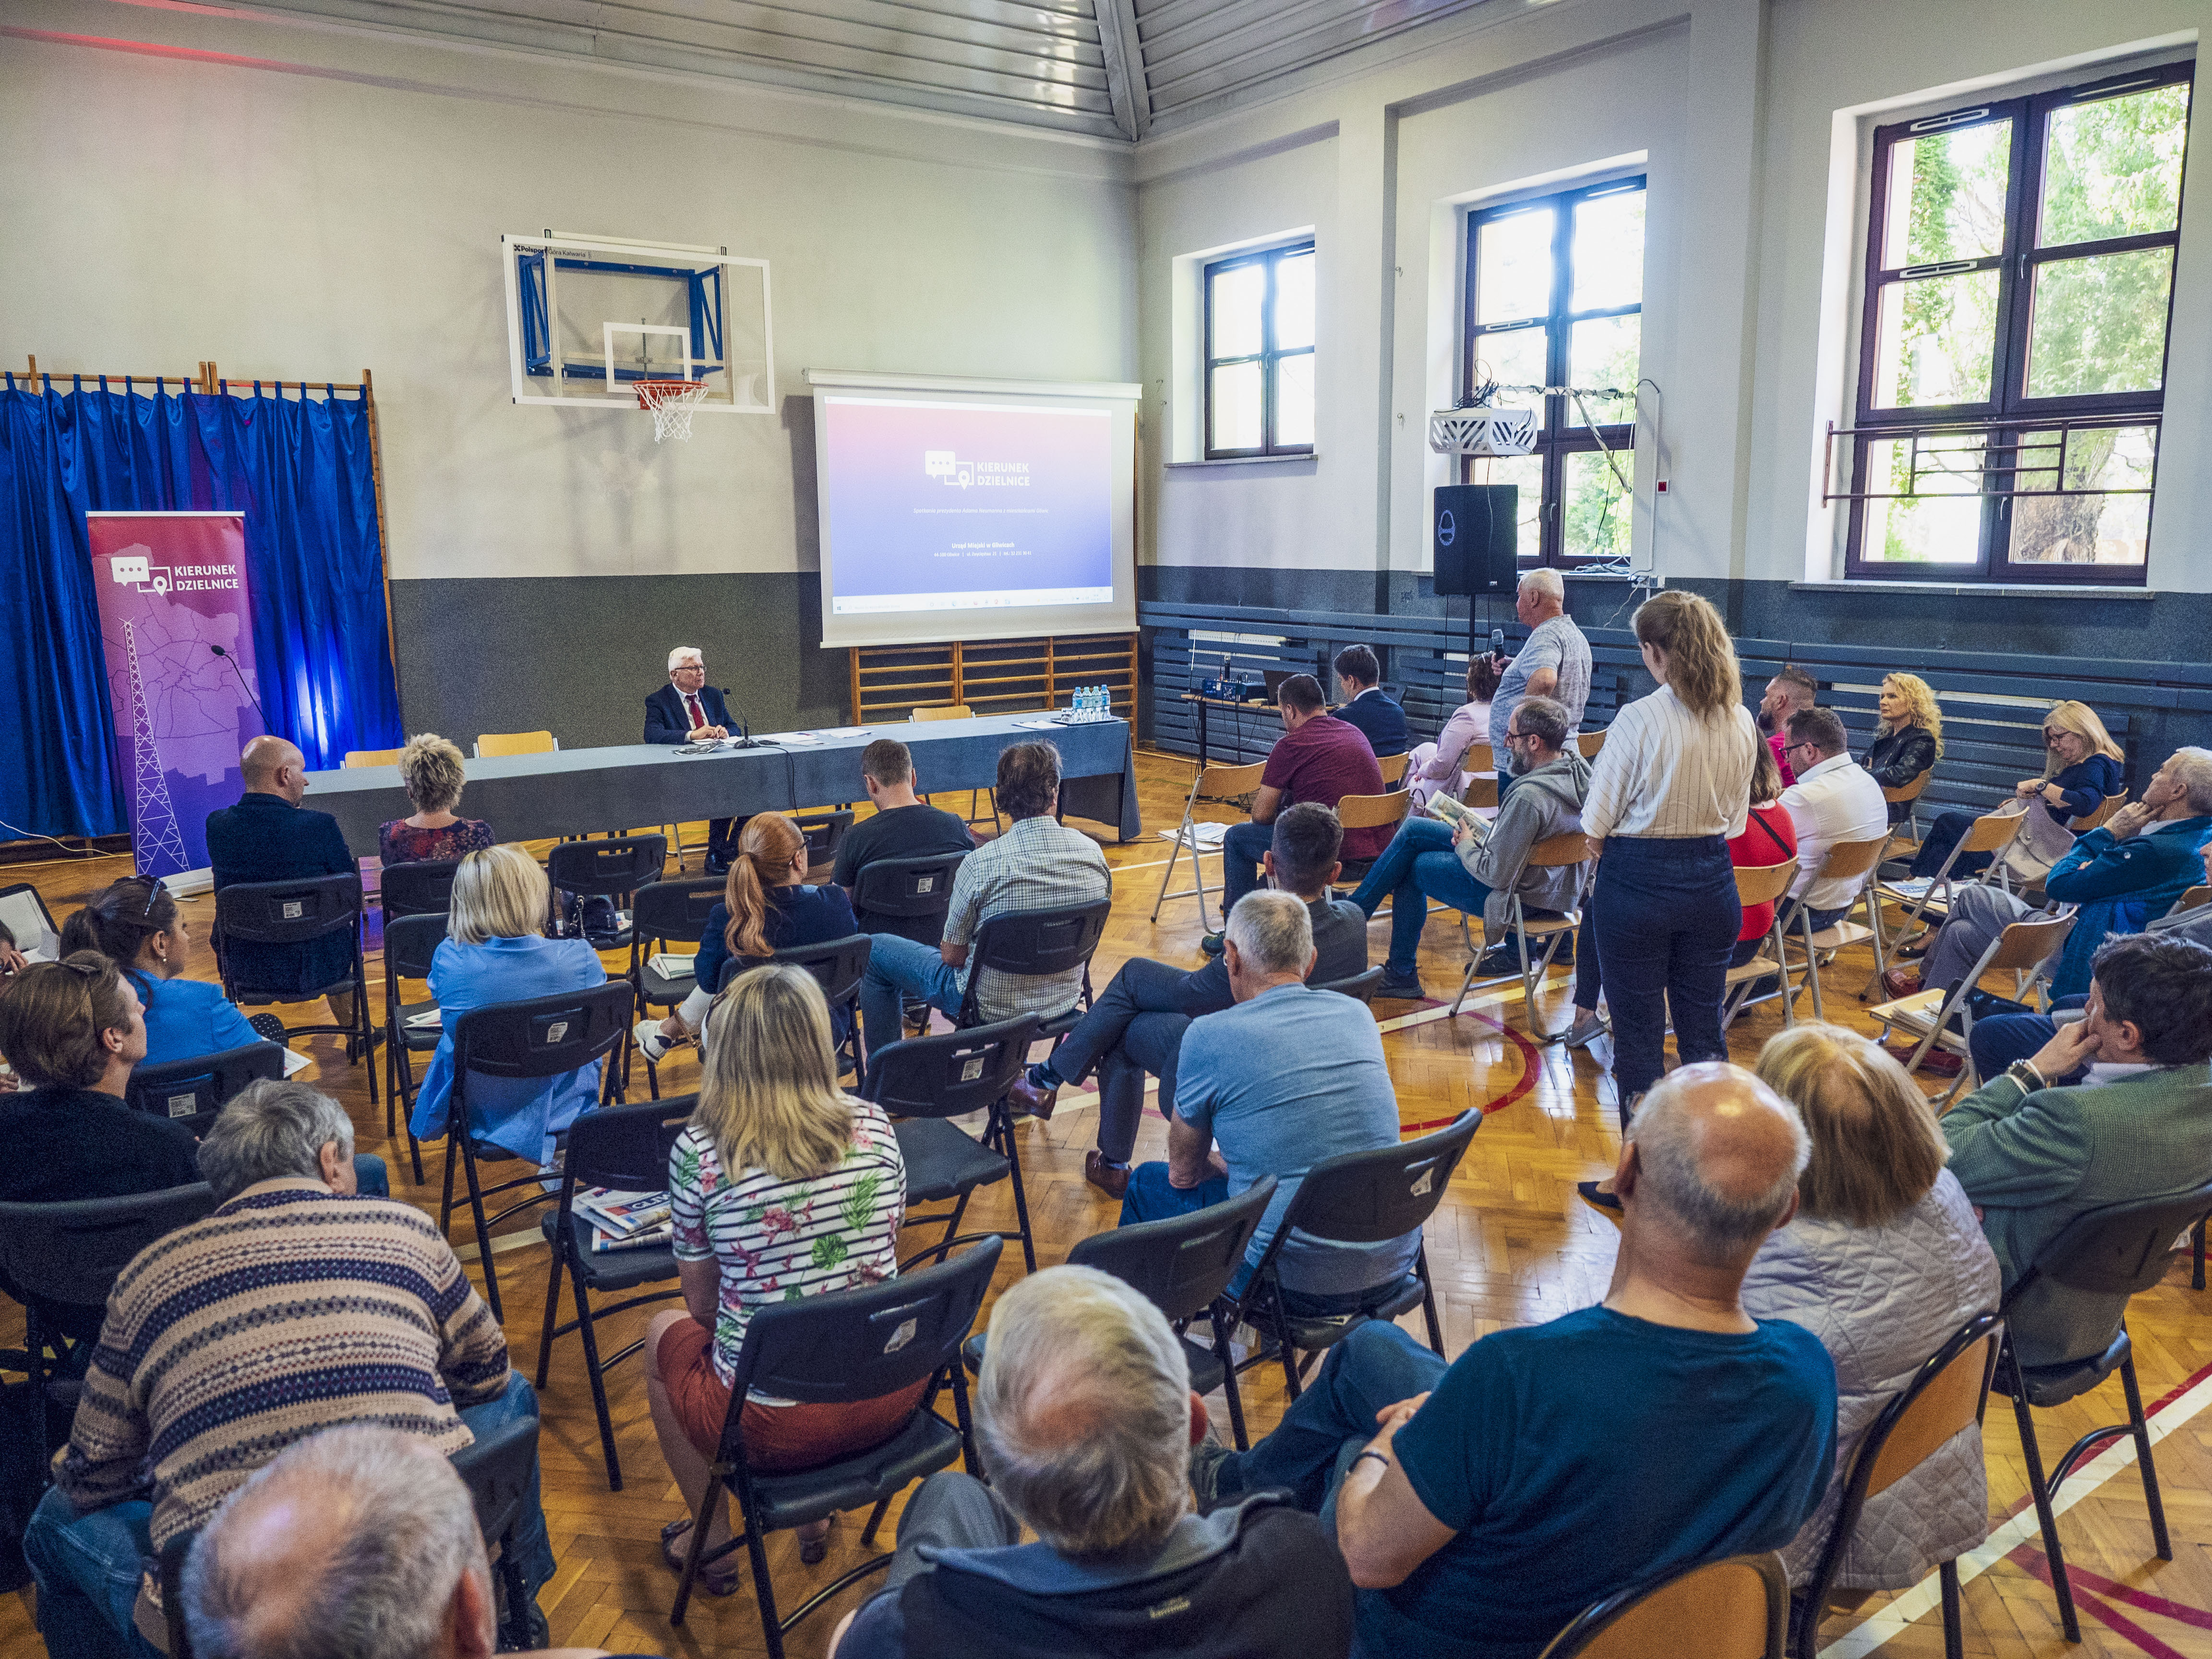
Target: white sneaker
651, 1042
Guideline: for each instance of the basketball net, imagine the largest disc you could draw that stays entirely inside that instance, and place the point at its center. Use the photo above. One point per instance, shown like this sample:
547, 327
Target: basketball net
670, 403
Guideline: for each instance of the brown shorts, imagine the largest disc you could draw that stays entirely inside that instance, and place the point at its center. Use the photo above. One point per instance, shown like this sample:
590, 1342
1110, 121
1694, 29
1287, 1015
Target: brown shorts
777, 1438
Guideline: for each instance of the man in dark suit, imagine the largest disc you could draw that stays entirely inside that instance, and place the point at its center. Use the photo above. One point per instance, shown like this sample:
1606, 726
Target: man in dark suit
1366, 705
270, 836
688, 710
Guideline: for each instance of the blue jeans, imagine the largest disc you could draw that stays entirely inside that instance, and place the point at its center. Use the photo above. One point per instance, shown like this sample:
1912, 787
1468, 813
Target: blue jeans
2002, 1039
1242, 849
1377, 1366
88, 1566
901, 967
1666, 916
1418, 864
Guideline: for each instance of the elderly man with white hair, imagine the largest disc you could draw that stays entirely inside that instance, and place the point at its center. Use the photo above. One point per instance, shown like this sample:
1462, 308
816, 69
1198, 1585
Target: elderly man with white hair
1553, 661
1482, 1506
1287, 1078
1085, 1417
688, 710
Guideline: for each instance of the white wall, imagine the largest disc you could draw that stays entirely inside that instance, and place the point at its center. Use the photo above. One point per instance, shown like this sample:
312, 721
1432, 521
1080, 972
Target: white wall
318, 200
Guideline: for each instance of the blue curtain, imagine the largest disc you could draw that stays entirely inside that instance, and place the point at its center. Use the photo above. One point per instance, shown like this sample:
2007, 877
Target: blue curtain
298, 468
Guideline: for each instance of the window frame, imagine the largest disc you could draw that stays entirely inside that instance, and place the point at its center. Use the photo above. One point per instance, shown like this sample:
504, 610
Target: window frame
2009, 411
1269, 356
1557, 437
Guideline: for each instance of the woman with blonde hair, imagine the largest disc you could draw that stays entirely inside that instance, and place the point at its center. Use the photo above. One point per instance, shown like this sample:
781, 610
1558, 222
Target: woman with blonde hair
2081, 770
1883, 1261
766, 907
781, 1187
1908, 739
1671, 785
496, 951
431, 771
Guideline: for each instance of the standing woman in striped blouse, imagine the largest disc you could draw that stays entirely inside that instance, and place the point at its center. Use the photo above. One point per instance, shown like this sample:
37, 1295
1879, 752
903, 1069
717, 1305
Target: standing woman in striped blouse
1666, 792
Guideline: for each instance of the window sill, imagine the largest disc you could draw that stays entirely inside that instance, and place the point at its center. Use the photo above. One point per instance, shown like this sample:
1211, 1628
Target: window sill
1981, 590
1247, 460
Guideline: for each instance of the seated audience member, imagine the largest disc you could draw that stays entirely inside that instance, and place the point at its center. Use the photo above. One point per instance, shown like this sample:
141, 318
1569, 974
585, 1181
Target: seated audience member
1288, 1077
782, 1186
270, 836
2081, 770
1768, 836
903, 826
766, 907
1038, 864
211, 1362
1136, 1026
1479, 874
1439, 768
1553, 661
2031, 1156
431, 771
1367, 707
2001, 1039
1908, 738
496, 951
1883, 1262
2121, 875
1086, 1416
358, 1539
1791, 690
688, 710
1507, 1490
1834, 801
12, 960
1318, 758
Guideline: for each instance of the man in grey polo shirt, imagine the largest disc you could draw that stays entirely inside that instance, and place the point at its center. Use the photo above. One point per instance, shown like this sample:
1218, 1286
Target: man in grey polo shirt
1553, 661
1287, 1078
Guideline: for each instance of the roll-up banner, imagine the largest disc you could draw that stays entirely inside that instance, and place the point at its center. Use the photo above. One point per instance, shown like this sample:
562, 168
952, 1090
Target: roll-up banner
176, 621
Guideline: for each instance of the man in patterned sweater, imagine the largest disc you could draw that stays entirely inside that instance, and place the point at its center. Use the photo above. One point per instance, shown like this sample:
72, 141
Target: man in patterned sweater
295, 1306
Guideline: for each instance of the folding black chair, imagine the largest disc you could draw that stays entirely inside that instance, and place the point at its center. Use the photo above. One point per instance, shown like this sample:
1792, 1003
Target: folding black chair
1735, 1608
664, 913
623, 1148
908, 896
840, 1346
497, 1469
1360, 988
838, 966
542, 1037
2117, 1250
1035, 943
922, 1083
410, 943
299, 913
422, 889
73, 1253
1357, 1198
173, 1554
190, 1091
1945, 1395
823, 832
612, 870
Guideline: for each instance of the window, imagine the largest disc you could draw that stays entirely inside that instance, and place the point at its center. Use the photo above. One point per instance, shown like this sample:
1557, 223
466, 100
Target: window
1555, 297
2012, 354
1260, 354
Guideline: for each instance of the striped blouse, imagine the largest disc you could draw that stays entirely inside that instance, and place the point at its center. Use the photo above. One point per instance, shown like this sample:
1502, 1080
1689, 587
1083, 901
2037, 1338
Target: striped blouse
776, 1241
1665, 773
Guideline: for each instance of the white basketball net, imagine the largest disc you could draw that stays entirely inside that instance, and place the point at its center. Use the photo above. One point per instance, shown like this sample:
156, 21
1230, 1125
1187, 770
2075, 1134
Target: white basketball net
671, 402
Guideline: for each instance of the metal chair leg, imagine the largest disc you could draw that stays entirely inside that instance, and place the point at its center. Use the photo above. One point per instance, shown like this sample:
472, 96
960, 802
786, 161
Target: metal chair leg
1229, 1381
552, 1310
2140, 1427
597, 1373
1954, 1631
2024, 1417
483, 1230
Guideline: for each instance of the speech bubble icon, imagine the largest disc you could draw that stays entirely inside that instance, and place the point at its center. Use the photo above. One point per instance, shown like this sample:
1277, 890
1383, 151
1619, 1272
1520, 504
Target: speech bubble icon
126, 570
937, 463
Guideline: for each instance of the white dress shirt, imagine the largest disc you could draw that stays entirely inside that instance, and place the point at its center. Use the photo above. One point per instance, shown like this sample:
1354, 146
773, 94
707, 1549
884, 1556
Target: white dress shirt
1665, 773
1836, 801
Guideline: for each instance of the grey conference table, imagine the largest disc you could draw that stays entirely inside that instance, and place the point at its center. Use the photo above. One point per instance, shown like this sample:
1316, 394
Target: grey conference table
575, 792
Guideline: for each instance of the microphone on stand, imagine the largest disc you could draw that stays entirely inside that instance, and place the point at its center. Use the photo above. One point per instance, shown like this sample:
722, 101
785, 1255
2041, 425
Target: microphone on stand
242, 686
745, 737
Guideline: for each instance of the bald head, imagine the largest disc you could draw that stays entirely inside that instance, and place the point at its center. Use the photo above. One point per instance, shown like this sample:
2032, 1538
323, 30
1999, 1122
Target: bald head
1718, 1154
273, 765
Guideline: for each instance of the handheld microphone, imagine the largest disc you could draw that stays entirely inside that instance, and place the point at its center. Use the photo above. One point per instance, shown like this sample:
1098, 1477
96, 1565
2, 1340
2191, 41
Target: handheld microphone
1497, 641
242, 686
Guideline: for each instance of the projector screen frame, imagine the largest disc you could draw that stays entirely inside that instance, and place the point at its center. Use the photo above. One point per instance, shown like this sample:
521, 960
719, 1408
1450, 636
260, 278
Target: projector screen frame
1117, 615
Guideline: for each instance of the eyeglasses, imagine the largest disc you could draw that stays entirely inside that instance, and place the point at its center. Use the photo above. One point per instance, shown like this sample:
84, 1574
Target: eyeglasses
690, 668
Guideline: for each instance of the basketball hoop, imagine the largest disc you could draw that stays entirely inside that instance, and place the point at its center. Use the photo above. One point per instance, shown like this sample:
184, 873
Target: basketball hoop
671, 402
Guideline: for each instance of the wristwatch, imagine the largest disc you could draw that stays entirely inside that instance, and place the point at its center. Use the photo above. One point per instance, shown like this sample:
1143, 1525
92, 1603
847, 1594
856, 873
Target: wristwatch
2023, 1074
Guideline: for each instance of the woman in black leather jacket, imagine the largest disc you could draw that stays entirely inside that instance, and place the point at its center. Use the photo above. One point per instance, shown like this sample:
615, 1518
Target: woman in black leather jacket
1908, 740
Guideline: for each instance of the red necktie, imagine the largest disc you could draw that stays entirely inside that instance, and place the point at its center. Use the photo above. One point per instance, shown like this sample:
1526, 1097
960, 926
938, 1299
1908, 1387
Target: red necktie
698, 719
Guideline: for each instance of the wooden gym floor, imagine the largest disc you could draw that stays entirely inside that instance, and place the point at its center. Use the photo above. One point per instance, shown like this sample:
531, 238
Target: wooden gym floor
1510, 1246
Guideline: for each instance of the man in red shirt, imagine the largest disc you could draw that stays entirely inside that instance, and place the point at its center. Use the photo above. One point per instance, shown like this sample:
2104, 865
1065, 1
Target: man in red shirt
1318, 758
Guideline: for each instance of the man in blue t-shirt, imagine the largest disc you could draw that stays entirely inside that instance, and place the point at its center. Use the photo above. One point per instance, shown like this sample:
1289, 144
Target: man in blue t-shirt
1550, 1466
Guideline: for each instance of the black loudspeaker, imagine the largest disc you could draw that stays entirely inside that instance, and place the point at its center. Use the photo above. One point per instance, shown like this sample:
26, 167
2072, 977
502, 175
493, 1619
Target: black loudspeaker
1477, 538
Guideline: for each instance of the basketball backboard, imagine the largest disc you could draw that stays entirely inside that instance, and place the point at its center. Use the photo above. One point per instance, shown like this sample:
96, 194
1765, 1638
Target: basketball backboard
587, 317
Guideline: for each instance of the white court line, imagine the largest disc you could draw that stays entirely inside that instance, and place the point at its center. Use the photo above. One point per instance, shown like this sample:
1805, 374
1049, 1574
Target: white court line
1878, 1628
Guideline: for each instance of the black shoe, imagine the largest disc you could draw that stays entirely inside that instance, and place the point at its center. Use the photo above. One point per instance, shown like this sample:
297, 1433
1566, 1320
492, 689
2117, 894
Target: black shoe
1606, 1204
1498, 962
1213, 944
1407, 989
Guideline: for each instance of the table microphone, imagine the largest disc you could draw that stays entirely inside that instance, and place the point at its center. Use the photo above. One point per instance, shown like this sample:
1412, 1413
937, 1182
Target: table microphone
745, 737
242, 686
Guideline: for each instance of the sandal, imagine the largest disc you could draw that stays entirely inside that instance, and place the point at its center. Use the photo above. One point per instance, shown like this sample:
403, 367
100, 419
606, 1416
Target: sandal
718, 1575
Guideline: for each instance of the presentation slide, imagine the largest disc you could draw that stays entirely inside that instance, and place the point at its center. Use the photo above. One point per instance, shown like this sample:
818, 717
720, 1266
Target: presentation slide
972, 517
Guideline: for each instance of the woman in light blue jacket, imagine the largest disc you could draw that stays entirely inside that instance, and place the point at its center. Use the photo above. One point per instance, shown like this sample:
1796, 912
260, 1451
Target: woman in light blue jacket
1884, 1262
496, 951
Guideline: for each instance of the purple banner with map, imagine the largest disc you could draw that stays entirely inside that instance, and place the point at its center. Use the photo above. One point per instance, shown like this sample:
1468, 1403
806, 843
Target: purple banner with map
176, 621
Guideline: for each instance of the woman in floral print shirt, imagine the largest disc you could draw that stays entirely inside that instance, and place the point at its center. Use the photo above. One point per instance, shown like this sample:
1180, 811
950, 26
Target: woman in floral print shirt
782, 1186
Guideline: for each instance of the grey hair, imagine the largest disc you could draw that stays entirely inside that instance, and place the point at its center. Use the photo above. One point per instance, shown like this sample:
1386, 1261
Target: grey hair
1544, 719
387, 1529
271, 1129
2193, 767
1083, 1411
1670, 1148
1546, 581
1272, 932
676, 657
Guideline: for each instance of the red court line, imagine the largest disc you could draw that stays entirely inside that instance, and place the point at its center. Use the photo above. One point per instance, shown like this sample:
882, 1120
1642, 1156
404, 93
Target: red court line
2111, 1618
2179, 1612
1497, 1103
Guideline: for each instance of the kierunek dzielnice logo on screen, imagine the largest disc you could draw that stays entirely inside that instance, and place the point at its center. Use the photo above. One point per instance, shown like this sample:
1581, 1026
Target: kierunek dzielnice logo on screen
946, 466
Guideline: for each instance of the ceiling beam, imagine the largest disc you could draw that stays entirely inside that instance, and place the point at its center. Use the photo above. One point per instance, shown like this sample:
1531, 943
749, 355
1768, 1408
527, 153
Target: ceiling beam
1124, 67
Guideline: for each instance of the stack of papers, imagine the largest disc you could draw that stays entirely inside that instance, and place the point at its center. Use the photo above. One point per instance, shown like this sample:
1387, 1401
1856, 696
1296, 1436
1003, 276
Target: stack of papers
1206, 837
1455, 813
430, 1020
669, 966
626, 1221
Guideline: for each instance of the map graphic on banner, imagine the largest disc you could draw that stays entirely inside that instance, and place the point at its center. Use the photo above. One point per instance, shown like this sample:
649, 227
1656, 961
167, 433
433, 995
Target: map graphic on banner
172, 588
